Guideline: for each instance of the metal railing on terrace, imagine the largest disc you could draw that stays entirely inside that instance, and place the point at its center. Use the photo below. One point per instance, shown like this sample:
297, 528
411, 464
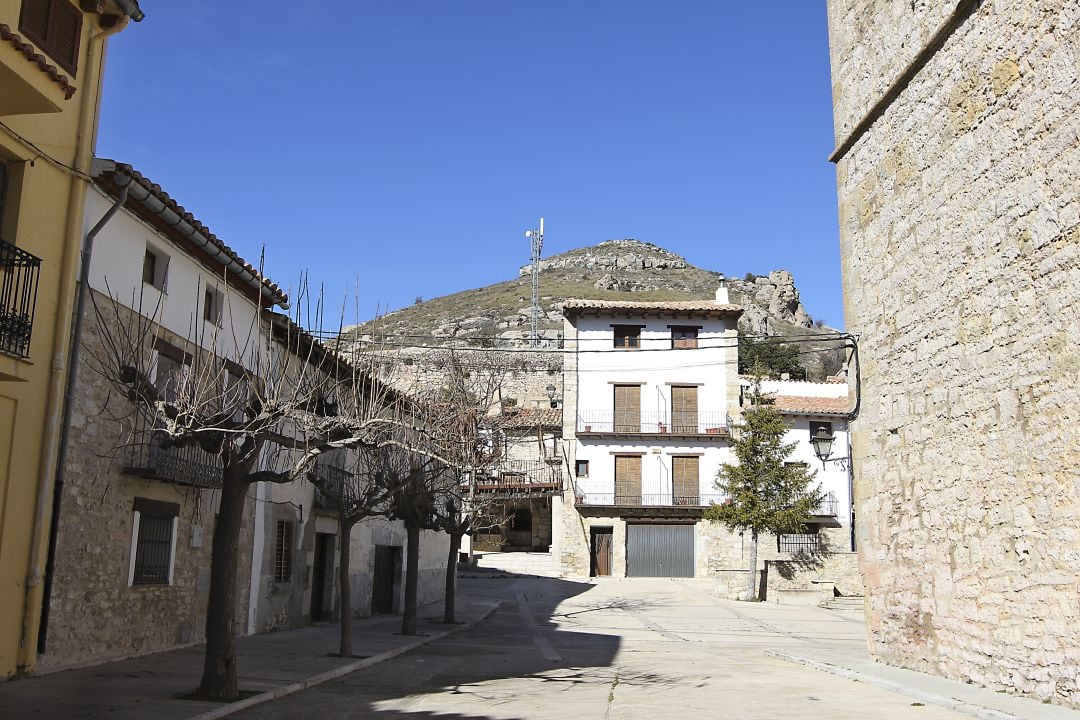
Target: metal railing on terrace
519, 476
708, 422
18, 298
188, 465
829, 506
658, 500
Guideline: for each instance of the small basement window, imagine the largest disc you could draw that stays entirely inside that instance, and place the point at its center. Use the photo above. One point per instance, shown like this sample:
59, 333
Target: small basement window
627, 337
155, 268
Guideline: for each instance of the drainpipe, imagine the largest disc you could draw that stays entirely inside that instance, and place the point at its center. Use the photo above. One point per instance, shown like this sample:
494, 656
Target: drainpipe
42, 533
69, 398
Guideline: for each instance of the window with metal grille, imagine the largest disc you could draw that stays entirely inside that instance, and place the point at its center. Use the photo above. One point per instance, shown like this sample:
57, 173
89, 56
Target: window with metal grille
283, 551
55, 26
806, 542
627, 337
155, 534
683, 337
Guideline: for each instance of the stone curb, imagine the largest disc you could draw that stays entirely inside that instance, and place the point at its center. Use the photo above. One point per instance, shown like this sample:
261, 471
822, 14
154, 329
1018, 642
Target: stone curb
337, 672
930, 698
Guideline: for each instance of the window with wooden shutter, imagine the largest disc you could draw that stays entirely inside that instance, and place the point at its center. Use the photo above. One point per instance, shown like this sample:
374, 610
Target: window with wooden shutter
627, 337
685, 484
684, 409
627, 409
283, 552
627, 479
55, 26
683, 337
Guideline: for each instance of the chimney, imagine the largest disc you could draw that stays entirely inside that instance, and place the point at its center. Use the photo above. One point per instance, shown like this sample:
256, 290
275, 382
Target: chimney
721, 292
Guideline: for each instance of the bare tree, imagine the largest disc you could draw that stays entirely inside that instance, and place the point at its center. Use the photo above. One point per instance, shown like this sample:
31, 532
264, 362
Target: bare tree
267, 413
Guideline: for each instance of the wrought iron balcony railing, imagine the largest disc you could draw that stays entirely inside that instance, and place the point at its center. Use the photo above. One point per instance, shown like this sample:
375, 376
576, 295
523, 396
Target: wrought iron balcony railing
709, 422
188, 465
329, 482
829, 506
18, 298
660, 500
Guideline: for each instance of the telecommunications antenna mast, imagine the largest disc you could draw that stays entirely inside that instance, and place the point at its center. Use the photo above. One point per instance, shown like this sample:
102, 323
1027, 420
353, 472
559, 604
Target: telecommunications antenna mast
537, 237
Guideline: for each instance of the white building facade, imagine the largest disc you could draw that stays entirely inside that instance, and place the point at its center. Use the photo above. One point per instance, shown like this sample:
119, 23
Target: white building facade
651, 392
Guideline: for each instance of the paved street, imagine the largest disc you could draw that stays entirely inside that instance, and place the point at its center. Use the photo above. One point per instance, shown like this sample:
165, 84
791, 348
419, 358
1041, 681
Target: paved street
617, 649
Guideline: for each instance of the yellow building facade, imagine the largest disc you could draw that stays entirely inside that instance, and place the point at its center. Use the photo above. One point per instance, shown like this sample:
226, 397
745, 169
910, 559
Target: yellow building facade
51, 61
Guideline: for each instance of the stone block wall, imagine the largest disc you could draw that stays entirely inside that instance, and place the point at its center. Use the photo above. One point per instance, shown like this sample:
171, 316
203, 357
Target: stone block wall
960, 240
94, 614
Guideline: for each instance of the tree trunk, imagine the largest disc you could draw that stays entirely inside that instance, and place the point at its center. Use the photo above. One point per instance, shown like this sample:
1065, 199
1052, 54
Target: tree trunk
412, 568
219, 668
345, 648
449, 603
751, 584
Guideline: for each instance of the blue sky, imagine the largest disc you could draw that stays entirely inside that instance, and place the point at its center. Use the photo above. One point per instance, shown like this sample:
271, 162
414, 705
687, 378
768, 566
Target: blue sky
405, 145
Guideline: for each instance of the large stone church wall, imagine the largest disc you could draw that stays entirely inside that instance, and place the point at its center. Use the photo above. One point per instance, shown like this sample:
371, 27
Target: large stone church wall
959, 209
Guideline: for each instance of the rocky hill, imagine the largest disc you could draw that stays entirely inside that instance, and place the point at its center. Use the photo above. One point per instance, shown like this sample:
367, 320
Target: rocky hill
611, 270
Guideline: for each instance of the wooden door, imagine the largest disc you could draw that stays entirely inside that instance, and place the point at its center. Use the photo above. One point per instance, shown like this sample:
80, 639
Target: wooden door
600, 564
684, 409
685, 485
627, 409
627, 479
322, 582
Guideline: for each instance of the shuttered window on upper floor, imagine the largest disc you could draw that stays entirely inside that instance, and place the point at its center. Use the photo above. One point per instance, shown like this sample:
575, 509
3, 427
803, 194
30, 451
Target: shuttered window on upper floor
55, 26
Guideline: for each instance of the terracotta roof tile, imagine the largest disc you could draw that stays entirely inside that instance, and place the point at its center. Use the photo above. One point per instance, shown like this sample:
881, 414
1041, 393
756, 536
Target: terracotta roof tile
273, 289
575, 306
529, 417
30, 53
802, 405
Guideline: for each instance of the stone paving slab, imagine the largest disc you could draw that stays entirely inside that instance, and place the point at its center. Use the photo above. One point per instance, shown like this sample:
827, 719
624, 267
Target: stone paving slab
271, 665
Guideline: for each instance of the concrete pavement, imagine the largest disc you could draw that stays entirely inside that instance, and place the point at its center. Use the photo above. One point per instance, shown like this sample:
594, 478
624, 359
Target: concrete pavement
612, 649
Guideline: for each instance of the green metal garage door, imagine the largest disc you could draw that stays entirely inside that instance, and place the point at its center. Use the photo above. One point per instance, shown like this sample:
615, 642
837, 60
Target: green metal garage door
658, 550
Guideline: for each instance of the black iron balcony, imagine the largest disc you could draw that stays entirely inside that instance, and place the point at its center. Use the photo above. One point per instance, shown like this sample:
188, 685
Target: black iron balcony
828, 507
329, 482
188, 465
615, 422
18, 298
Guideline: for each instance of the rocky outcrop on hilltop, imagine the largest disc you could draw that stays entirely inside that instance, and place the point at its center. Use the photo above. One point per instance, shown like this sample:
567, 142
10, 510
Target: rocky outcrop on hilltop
610, 270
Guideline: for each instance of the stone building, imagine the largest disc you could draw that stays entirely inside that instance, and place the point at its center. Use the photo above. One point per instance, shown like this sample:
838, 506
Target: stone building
958, 175
651, 389
137, 518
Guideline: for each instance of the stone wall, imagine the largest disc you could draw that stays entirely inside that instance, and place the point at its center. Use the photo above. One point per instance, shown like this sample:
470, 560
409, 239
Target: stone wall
959, 211
95, 614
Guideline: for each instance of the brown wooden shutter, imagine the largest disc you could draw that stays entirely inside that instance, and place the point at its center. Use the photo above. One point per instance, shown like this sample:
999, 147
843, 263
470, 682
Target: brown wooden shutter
684, 409
684, 480
55, 26
628, 408
627, 479
34, 20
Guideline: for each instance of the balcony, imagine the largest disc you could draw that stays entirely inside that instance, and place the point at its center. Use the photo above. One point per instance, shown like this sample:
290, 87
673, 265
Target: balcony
519, 478
649, 501
329, 482
18, 299
828, 507
712, 423
189, 465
